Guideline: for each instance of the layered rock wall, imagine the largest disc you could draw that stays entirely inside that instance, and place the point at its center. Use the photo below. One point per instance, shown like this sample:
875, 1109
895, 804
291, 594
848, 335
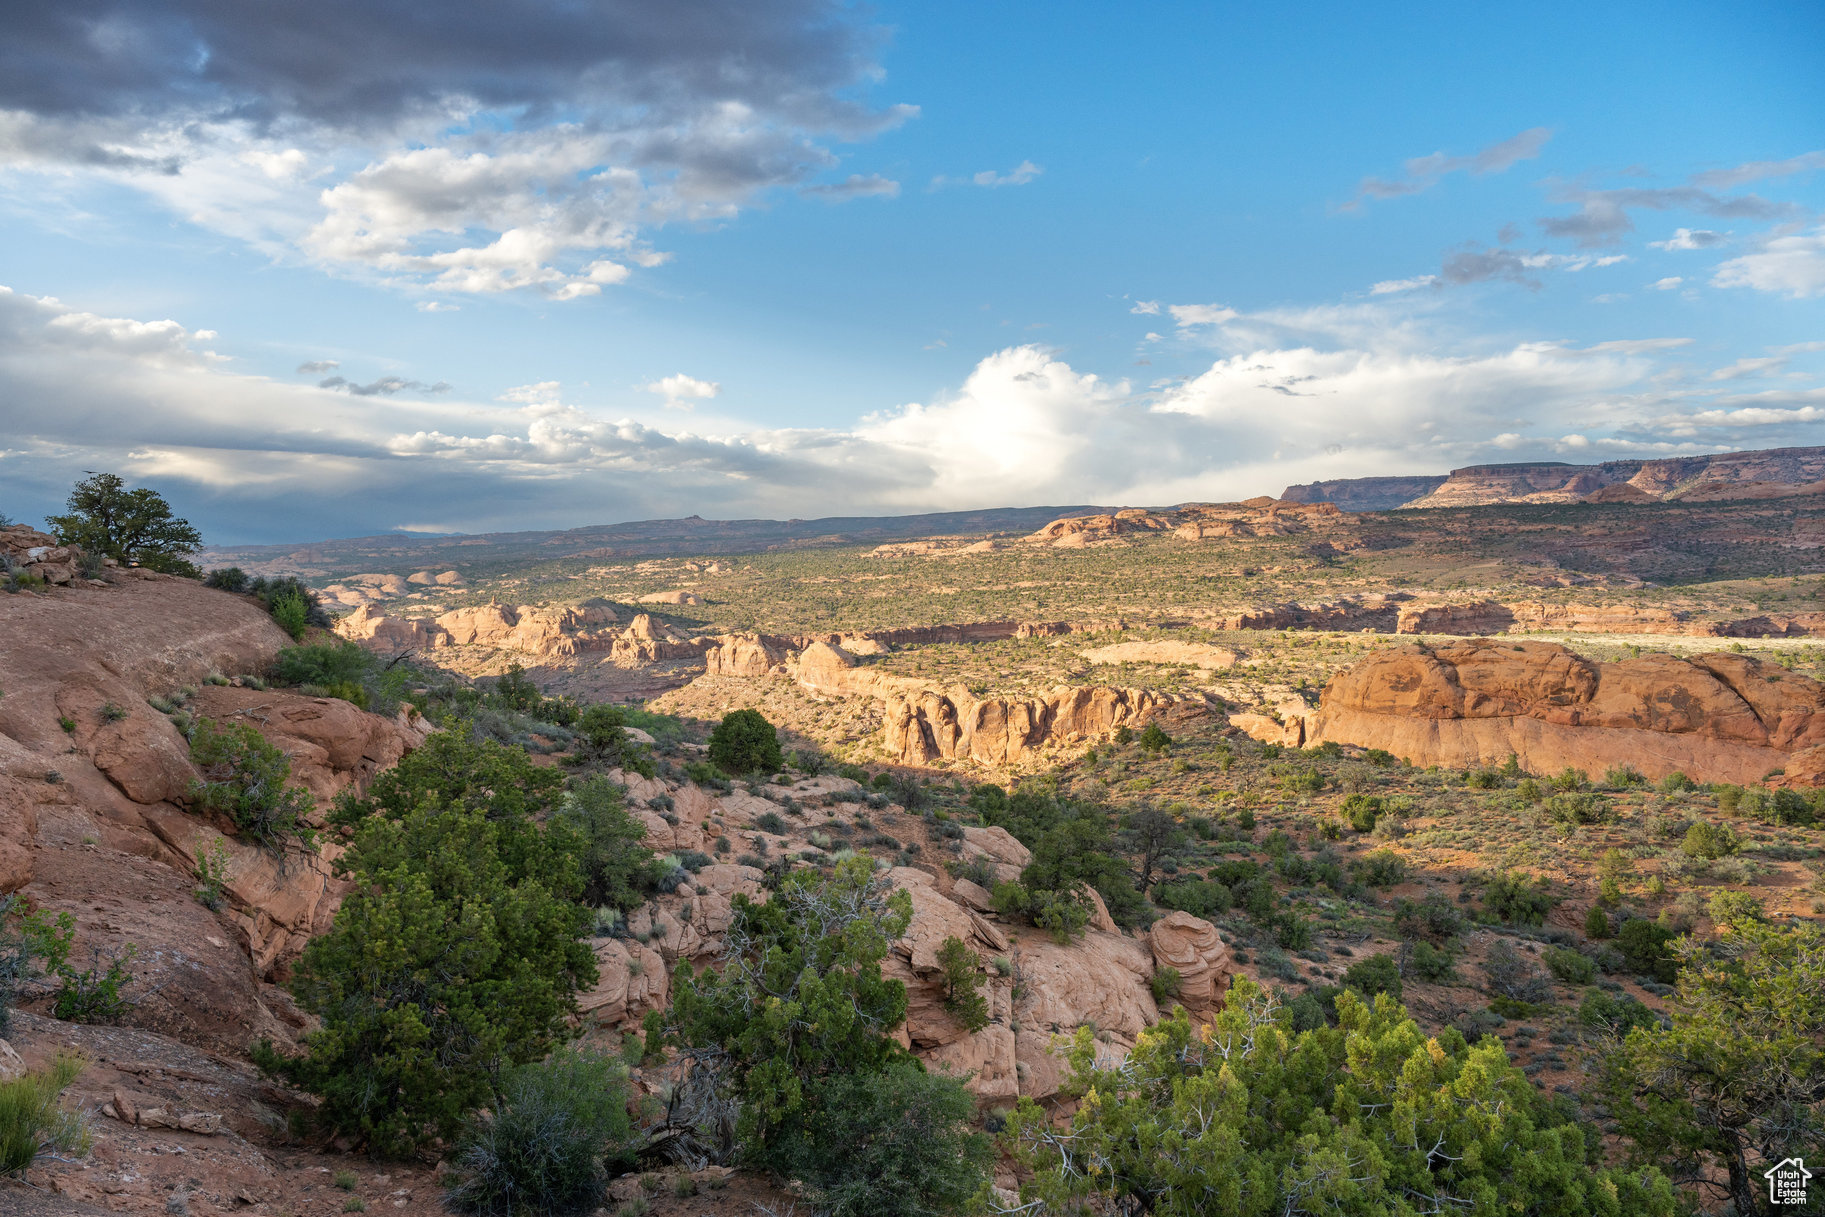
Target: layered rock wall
1715, 718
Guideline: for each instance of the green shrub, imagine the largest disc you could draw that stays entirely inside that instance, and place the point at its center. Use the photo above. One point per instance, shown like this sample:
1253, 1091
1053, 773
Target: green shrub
1675, 782
244, 778
16, 956
291, 611
545, 1145
343, 669
797, 1001
1516, 900
1433, 918
1292, 932
34, 1125
1623, 777
1707, 842
1154, 740
1204, 898
602, 739
457, 953
894, 1143
745, 742
1569, 779
1372, 975
1572, 967
85, 995
212, 875
1596, 923
1234, 1150
1361, 811
1164, 983
962, 978
617, 867
1647, 948
1382, 868
1578, 807
456, 770
1432, 964
1615, 1014
1528, 791
1064, 914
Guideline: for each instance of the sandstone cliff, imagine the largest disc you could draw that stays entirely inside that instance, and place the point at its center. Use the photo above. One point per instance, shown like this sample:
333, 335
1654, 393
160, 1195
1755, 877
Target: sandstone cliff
95, 782
1716, 718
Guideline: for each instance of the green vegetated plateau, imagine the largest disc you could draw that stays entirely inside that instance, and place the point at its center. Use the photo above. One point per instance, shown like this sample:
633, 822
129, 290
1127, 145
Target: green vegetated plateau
1479, 991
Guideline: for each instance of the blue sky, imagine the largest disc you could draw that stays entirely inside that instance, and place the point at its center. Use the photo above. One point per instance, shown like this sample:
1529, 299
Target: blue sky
629, 259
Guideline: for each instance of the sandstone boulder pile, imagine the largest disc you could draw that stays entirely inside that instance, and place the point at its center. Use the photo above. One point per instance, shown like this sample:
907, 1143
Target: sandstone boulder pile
30, 552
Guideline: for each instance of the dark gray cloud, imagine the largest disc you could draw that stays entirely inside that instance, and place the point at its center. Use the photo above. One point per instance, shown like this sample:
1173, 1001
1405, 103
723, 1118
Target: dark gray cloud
1475, 264
386, 386
316, 367
1603, 217
1424, 172
357, 62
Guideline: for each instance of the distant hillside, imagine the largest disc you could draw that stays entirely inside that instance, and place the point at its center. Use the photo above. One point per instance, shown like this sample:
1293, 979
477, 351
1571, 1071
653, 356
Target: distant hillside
1366, 494
1717, 475
641, 538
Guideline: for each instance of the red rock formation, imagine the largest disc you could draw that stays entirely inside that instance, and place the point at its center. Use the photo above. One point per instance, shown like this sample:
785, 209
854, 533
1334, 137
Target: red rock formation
1716, 718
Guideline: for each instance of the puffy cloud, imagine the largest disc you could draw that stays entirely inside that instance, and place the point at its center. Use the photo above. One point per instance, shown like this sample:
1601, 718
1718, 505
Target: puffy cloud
1390, 286
1792, 265
1293, 395
680, 390
317, 367
1424, 172
1691, 238
1670, 283
1189, 316
531, 147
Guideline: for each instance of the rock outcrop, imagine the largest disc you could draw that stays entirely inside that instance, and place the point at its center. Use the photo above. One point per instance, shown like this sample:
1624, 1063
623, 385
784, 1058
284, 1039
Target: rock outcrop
1193, 947
95, 784
932, 725
1257, 517
1716, 718
39, 556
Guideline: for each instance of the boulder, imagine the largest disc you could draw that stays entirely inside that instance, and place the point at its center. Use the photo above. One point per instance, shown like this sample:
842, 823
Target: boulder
1193, 946
631, 978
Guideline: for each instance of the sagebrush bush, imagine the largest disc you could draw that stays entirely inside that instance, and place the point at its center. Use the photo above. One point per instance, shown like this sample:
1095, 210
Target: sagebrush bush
244, 778
34, 1124
1573, 967
1517, 900
547, 1145
1515, 976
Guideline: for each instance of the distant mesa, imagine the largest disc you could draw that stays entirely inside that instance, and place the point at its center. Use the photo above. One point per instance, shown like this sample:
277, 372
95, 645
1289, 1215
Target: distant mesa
1768, 474
1365, 494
